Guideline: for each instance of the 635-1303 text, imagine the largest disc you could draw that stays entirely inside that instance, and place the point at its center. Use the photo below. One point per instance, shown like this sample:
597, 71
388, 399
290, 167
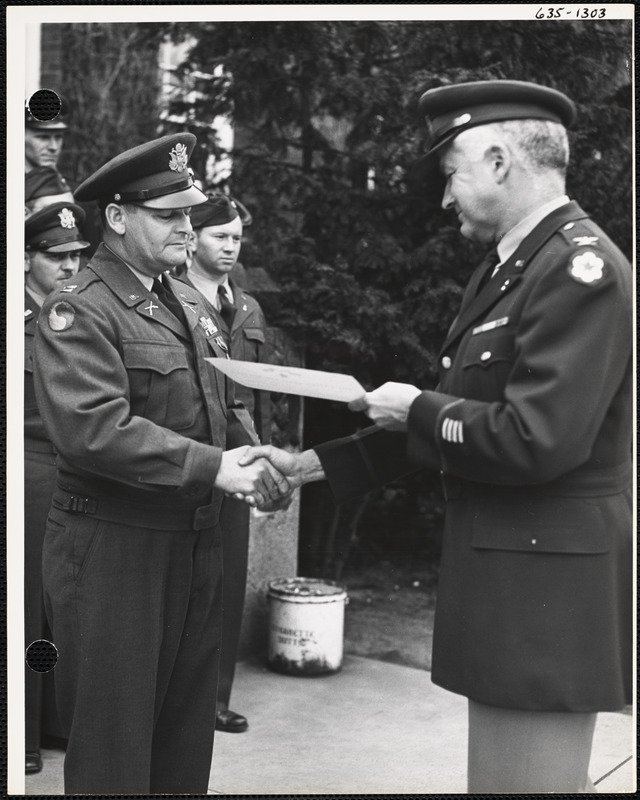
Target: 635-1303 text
562, 12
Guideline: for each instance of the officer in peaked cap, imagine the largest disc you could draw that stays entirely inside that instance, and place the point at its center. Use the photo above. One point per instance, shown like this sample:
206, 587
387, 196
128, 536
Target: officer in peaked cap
53, 243
530, 427
217, 239
148, 437
43, 139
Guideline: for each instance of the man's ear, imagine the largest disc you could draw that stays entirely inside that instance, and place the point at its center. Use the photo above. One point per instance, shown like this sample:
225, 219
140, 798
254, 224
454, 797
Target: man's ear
500, 160
115, 217
27, 261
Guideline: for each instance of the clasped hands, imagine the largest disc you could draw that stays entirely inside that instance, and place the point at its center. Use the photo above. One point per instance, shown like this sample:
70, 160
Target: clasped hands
265, 476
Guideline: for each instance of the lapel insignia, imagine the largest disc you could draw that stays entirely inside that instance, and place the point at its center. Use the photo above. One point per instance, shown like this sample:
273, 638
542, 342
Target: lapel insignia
585, 241
587, 268
151, 308
28, 312
489, 326
69, 288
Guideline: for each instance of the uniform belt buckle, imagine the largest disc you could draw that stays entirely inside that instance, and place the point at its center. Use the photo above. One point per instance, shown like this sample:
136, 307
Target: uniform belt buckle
82, 505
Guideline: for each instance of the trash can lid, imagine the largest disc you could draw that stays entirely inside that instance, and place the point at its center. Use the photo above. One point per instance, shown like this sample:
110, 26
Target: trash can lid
305, 587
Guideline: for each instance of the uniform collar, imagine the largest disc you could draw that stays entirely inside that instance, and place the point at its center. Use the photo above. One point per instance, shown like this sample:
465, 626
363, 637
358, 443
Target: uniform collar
209, 288
512, 239
145, 280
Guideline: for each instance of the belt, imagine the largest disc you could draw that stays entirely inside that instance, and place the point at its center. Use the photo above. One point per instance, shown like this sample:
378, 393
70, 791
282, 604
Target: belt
583, 483
142, 515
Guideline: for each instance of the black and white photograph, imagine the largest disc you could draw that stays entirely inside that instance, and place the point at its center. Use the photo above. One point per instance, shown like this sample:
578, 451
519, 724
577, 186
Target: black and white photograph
321, 477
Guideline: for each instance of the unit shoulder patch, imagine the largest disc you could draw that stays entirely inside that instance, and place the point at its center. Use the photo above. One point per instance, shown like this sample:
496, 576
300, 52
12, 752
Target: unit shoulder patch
587, 268
61, 316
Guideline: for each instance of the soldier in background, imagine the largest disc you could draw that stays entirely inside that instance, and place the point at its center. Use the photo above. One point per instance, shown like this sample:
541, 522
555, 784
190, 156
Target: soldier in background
43, 141
44, 186
53, 243
215, 246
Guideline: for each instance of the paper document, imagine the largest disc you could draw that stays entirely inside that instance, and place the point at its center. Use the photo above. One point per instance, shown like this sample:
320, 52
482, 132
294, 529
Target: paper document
291, 380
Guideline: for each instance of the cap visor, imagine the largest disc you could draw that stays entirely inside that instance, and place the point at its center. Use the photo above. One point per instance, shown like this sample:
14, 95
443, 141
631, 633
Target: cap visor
186, 198
67, 247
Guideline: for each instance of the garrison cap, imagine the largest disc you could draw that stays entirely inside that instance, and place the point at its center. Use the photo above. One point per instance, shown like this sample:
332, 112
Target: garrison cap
43, 181
54, 229
449, 110
155, 174
218, 210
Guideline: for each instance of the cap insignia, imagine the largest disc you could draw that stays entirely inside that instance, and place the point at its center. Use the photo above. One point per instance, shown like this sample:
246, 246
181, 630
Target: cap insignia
67, 220
461, 120
587, 267
178, 158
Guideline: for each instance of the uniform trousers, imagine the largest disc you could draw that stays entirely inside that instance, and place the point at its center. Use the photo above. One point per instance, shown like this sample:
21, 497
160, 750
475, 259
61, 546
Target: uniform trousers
136, 615
234, 521
39, 482
513, 751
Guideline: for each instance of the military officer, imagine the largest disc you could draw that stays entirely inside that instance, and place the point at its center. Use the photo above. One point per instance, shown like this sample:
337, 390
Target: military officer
531, 428
43, 141
218, 227
148, 440
53, 243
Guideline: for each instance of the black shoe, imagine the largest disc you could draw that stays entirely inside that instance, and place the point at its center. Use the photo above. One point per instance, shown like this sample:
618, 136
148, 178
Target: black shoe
33, 762
231, 722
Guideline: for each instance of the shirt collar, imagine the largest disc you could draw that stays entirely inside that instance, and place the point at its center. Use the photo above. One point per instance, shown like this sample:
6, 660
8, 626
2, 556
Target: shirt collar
510, 242
209, 288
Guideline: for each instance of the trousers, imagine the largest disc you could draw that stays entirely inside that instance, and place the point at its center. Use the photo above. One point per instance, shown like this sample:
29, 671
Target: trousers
512, 751
136, 617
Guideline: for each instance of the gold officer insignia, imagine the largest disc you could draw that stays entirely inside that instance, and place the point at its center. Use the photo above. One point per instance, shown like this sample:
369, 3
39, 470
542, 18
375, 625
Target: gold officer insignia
28, 312
587, 267
61, 316
178, 158
67, 220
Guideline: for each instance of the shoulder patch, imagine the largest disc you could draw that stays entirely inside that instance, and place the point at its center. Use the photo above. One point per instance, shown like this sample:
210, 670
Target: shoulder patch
61, 316
587, 267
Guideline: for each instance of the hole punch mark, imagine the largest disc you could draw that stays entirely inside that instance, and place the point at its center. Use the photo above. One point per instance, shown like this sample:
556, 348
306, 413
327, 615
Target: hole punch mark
44, 105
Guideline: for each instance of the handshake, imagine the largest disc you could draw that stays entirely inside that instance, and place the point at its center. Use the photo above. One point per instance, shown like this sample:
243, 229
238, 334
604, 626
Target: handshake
265, 476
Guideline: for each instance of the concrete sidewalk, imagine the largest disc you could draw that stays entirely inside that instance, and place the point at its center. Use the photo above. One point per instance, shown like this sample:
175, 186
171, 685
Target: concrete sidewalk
372, 728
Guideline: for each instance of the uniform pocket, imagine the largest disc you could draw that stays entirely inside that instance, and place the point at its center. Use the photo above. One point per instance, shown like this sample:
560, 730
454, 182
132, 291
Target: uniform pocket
160, 381
544, 525
252, 340
486, 364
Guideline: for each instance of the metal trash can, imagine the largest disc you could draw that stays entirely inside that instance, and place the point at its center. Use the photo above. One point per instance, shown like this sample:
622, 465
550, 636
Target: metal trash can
306, 626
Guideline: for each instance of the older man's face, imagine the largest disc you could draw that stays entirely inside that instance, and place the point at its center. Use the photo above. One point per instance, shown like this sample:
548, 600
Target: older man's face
155, 240
42, 148
471, 188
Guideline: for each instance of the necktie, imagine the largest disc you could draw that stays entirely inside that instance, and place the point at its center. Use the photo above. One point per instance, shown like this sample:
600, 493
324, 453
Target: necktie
168, 299
227, 309
487, 268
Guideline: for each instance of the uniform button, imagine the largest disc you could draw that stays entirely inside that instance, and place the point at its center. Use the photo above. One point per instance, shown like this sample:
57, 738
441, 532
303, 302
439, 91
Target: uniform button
446, 362
486, 355
534, 541
568, 226
519, 263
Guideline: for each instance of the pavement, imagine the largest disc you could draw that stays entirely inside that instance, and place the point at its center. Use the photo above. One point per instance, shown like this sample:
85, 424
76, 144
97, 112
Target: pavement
371, 728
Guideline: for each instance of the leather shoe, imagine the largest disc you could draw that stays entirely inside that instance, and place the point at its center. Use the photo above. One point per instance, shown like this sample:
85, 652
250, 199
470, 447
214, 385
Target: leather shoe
33, 762
231, 722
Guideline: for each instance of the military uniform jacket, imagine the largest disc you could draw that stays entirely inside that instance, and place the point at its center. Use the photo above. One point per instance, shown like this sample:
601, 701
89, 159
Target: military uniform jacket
531, 429
125, 393
247, 342
35, 436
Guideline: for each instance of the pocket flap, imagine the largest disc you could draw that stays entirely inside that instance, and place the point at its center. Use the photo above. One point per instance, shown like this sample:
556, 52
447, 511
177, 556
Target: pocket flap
548, 525
257, 334
162, 358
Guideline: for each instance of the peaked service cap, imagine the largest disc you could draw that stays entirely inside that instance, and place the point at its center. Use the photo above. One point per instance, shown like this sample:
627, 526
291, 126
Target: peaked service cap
218, 210
55, 229
155, 174
450, 110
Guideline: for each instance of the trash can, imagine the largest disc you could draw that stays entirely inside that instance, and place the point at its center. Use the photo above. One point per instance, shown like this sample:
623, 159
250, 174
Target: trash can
306, 626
